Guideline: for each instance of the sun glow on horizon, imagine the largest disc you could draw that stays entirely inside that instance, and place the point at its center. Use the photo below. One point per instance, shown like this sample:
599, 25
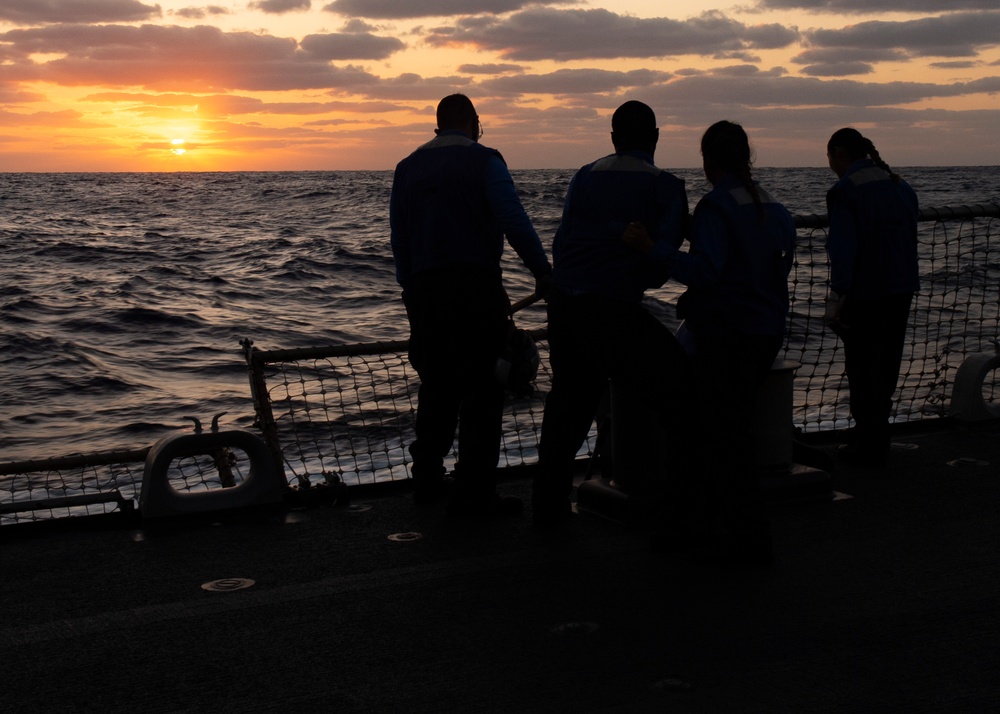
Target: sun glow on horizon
328, 87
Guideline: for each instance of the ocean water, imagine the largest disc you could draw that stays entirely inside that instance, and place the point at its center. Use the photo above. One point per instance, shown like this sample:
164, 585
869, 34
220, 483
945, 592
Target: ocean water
123, 297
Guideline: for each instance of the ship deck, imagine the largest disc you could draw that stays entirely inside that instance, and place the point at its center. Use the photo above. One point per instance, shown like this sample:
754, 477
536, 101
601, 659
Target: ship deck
883, 601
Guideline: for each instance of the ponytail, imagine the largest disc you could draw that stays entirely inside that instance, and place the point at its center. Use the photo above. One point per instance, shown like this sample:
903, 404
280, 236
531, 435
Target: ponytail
858, 147
725, 144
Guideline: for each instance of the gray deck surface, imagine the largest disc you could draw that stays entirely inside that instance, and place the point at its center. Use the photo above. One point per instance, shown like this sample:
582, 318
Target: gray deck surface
888, 601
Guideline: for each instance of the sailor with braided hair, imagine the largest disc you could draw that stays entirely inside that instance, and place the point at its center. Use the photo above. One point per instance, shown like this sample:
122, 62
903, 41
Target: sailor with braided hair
734, 310
872, 247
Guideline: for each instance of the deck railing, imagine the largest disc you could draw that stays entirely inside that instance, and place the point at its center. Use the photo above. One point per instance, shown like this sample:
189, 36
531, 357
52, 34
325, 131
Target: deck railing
346, 412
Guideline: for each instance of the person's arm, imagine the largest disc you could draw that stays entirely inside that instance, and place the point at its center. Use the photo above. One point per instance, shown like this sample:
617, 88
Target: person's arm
562, 232
513, 220
841, 245
674, 226
842, 250
398, 241
702, 265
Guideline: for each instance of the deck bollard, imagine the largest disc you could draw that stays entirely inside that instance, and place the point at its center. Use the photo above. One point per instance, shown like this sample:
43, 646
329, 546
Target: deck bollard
772, 418
262, 486
640, 452
967, 401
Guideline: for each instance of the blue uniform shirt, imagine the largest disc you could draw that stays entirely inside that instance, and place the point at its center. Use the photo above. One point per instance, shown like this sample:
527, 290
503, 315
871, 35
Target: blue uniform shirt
588, 253
737, 268
872, 242
452, 203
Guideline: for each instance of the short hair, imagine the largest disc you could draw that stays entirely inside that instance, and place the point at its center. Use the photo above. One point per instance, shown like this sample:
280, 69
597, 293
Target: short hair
633, 126
455, 111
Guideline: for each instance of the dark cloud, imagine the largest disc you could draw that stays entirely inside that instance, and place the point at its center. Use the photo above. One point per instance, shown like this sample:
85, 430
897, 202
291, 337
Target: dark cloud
491, 68
797, 137
838, 69
573, 81
279, 7
402, 9
198, 13
171, 58
791, 91
33, 12
882, 6
348, 46
956, 35
541, 33
957, 64
747, 70
823, 55
834, 62
214, 104
233, 104
413, 87
748, 57
356, 25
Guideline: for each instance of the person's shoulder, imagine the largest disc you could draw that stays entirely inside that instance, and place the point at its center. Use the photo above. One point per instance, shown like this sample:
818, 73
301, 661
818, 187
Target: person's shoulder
840, 186
904, 185
609, 162
908, 194
670, 178
767, 197
715, 200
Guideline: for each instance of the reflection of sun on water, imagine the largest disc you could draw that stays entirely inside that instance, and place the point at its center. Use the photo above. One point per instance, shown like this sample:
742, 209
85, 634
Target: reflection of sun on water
177, 147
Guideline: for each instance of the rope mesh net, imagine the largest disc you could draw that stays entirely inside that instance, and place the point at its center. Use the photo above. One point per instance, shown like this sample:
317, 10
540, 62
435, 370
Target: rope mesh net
59, 482
105, 482
350, 417
954, 314
346, 413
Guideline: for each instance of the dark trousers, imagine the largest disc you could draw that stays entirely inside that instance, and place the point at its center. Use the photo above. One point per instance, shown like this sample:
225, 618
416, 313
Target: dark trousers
458, 326
592, 339
730, 373
873, 351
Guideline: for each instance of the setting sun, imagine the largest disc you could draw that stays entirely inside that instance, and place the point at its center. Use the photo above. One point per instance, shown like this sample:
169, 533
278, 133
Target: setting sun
352, 84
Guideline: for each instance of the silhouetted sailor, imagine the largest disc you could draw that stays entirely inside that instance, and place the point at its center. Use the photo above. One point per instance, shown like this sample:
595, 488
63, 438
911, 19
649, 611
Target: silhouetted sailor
453, 201
873, 274
734, 311
598, 327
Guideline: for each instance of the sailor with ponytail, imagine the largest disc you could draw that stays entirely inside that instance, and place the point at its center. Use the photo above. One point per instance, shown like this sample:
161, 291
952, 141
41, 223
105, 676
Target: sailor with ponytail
735, 311
872, 246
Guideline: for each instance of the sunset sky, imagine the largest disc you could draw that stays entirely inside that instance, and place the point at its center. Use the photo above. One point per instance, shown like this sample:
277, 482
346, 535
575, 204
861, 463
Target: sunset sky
128, 85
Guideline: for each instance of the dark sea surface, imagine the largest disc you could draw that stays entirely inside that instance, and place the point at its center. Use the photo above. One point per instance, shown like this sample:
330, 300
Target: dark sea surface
123, 297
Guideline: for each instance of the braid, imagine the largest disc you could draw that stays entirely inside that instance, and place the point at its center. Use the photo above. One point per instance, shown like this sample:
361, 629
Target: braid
747, 179
725, 143
859, 147
873, 154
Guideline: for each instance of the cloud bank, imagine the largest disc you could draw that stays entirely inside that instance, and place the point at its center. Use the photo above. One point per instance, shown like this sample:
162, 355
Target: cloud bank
353, 83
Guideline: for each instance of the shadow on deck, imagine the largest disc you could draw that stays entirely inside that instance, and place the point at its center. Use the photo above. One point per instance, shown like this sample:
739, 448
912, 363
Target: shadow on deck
882, 602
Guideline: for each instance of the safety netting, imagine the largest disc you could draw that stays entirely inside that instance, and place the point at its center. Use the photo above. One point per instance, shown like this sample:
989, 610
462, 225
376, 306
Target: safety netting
345, 413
